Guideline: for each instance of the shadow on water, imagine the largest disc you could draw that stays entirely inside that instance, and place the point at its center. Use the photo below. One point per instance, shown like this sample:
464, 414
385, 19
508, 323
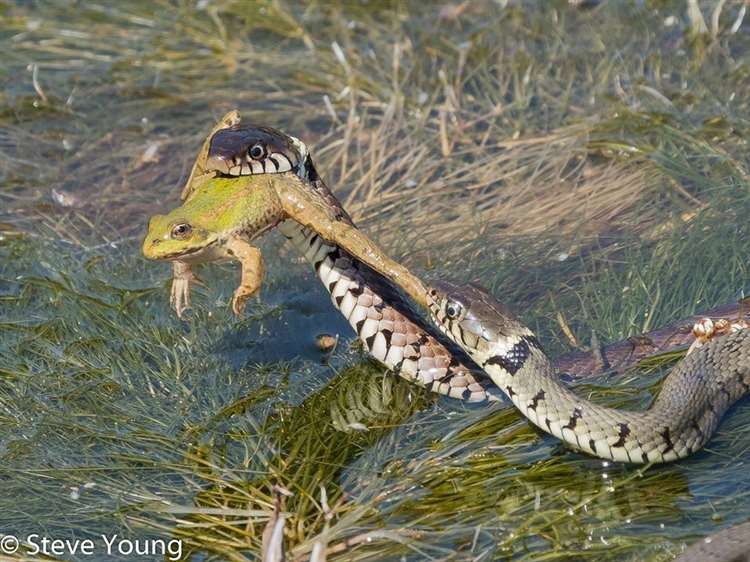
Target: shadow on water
286, 329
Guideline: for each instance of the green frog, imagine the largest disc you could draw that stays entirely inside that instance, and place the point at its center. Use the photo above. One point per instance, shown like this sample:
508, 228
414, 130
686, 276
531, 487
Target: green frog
217, 223
223, 214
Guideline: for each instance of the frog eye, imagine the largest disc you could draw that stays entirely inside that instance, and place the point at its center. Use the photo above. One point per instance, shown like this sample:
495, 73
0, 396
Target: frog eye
257, 151
181, 231
453, 309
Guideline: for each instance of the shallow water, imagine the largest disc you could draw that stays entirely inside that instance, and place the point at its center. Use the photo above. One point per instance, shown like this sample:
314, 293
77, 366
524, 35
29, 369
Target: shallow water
585, 163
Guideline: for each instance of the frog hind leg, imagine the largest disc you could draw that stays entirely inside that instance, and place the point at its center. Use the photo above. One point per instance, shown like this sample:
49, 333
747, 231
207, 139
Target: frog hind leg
313, 211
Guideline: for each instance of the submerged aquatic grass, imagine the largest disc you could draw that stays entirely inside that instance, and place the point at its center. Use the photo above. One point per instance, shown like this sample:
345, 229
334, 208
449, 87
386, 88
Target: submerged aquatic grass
584, 163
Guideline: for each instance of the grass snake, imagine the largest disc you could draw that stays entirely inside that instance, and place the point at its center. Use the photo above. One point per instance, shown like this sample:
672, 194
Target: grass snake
384, 322
480, 330
482, 333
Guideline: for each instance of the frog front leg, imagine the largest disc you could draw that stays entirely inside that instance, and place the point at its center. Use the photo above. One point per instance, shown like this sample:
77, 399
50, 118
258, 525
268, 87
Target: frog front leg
182, 278
253, 270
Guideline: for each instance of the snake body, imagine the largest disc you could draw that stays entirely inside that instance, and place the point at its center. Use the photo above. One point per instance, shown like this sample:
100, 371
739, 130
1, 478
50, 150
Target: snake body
382, 320
692, 401
373, 310
693, 398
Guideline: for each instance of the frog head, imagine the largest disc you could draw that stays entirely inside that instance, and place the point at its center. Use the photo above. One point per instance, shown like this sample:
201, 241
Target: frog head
176, 236
217, 210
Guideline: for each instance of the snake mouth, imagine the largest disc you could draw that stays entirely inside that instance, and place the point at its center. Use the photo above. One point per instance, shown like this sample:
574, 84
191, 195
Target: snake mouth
225, 174
242, 165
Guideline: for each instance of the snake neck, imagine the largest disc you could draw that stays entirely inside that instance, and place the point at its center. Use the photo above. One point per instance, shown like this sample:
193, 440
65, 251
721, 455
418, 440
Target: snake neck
391, 334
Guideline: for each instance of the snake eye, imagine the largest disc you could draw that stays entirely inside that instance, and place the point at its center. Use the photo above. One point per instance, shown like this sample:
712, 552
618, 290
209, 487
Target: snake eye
257, 151
453, 309
181, 231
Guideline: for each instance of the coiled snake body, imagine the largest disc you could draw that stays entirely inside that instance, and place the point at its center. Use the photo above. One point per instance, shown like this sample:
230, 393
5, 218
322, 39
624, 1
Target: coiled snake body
692, 400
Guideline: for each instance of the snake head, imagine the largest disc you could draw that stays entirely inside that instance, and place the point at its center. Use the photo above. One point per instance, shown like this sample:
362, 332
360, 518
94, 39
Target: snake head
470, 314
244, 150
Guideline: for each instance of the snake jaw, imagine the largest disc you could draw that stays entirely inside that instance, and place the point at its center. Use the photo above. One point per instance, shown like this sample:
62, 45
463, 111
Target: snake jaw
218, 164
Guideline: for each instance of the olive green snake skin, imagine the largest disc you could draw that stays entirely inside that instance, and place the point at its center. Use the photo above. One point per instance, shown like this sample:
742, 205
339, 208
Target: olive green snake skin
694, 396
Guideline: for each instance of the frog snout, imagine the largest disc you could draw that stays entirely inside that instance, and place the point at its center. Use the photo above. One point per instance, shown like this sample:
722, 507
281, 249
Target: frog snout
150, 246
